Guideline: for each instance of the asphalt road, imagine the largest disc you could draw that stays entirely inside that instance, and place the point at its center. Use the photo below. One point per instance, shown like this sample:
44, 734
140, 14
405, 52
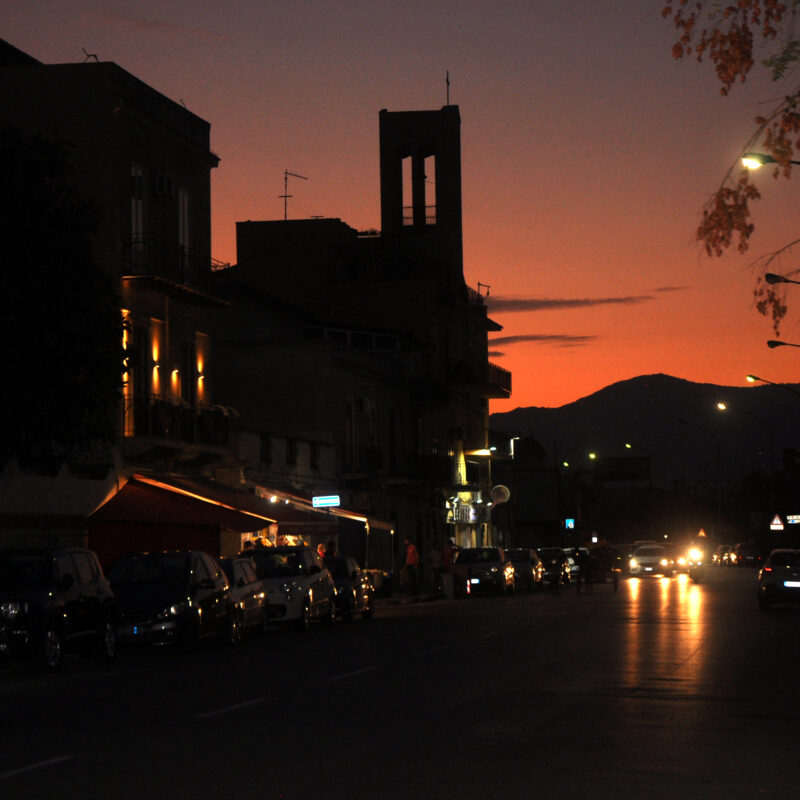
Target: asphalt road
664, 689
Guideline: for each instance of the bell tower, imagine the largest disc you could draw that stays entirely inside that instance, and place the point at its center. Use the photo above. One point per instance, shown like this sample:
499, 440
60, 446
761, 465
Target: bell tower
420, 170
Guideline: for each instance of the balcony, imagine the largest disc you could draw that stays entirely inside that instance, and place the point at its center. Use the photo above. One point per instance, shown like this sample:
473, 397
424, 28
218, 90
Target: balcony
162, 261
499, 380
181, 424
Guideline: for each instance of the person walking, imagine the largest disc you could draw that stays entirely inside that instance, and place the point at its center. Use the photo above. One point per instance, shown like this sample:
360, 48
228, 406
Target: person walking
412, 566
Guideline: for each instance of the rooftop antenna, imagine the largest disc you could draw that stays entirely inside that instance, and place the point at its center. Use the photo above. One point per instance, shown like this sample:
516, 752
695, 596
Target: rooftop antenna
286, 194
447, 81
89, 55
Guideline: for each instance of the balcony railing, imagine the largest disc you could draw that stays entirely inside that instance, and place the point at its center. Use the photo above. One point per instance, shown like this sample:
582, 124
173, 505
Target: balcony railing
499, 377
156, 256
162, 419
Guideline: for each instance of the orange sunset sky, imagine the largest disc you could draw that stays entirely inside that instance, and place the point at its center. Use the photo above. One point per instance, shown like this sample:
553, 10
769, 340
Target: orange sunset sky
587, 153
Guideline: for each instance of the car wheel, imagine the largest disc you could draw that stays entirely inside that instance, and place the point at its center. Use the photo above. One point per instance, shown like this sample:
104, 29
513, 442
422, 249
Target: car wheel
304, 619
369, 608
108, 642
52, 649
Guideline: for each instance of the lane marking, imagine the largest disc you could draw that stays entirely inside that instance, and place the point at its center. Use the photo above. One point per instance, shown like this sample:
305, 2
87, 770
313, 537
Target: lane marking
228, 709
344, 675
37, 765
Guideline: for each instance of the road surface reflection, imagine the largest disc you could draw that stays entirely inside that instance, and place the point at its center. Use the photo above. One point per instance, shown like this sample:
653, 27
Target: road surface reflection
662, 644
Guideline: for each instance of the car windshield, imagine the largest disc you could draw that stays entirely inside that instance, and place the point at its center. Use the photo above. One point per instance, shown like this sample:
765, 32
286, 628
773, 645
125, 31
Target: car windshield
519, 555
23, 571
280, 564
473, 555
649, 551
785, 558
150, 568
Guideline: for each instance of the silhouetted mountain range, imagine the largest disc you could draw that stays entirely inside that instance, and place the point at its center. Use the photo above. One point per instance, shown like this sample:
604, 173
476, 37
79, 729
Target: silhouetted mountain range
675, 422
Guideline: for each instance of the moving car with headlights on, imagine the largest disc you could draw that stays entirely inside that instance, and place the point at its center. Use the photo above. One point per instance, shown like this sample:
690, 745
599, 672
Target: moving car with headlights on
53, 600
180, 596
528, 567
779, 578
651, 559
482, 568
299, 586
556, 566
354, 592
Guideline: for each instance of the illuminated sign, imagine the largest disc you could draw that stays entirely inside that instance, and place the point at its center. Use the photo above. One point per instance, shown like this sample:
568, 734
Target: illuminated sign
793, 519
776, 524
325, 501
569, 523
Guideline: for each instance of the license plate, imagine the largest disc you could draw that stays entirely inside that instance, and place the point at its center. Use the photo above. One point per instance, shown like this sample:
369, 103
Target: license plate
792, 584
648, 569
474, 580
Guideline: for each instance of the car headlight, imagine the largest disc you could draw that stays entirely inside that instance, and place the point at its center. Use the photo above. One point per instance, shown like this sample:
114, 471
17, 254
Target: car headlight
175, 610
664, 562
695, 554
634, 562
11, 610
493, 569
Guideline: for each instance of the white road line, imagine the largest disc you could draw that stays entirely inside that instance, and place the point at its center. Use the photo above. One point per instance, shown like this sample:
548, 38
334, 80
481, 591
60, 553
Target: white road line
228, 709
349, 674
32, 767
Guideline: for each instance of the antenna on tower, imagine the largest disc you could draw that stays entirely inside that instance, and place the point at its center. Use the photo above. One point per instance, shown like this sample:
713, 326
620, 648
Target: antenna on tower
286, 194
447, 81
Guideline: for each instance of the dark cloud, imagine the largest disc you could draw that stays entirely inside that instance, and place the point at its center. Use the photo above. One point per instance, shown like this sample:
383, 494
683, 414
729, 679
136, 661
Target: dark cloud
509, 304
121, 18
553, 339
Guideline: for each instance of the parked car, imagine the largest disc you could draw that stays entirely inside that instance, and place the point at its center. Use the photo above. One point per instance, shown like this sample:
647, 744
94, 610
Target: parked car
178, 596
779, 578
478, 568
528, 567
745, 554
54, 600
651, 559
556, 565
299, 585
354, 591
248, 592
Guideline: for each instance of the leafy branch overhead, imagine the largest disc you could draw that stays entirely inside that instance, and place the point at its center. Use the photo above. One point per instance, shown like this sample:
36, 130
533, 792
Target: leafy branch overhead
728, 36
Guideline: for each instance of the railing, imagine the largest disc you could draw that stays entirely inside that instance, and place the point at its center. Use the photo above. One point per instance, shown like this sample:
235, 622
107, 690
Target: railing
154, 255
408, 215
162, 419
500, 377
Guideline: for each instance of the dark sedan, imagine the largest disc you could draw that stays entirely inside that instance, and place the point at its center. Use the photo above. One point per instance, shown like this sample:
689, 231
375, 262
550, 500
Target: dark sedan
52, 600
479, 568
172, 597
354, 591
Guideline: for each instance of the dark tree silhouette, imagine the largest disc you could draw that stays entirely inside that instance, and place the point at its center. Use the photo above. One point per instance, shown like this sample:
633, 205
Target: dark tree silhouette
60, 322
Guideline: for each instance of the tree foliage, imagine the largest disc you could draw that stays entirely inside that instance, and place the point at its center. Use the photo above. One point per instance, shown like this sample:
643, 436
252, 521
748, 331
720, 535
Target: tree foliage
60, 325
729, 35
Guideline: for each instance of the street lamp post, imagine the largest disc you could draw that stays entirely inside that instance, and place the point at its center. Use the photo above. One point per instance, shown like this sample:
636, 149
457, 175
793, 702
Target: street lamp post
756, 160
756, 379
773, 343
726, 407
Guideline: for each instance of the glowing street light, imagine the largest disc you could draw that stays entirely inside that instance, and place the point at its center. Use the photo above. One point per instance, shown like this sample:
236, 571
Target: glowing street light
756, 379
756, 160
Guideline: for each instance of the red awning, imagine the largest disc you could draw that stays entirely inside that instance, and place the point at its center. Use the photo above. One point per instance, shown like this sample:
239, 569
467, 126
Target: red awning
179, 501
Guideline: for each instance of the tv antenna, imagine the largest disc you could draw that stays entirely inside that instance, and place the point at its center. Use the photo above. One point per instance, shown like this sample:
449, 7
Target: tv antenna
89, 56
286, 195
447, 82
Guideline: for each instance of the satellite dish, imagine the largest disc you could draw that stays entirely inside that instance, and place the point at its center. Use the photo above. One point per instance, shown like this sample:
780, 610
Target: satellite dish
500, 494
